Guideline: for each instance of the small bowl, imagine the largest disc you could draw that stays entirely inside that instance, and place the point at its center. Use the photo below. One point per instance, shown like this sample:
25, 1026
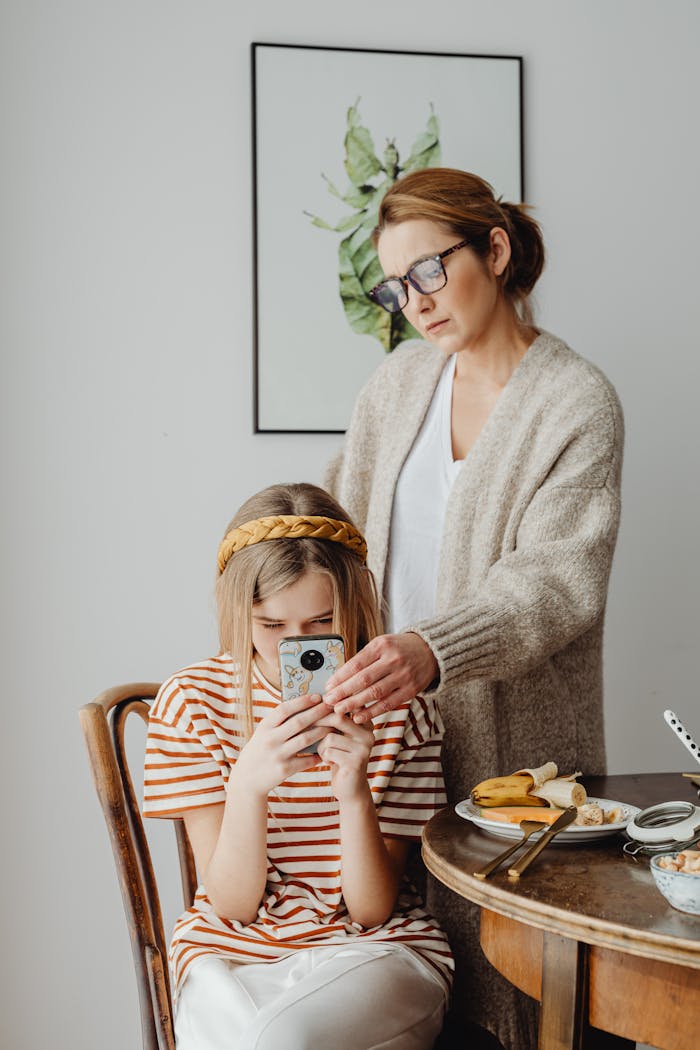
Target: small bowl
680, 888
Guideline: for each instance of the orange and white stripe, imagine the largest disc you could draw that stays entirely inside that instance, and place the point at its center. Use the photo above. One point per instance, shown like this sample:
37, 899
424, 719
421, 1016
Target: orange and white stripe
195, 736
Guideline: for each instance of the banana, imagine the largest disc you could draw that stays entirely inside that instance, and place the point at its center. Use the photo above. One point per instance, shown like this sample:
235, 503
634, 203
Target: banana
506, 791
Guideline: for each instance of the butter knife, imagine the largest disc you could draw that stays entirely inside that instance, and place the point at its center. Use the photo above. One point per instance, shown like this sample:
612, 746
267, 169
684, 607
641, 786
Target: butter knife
559, 824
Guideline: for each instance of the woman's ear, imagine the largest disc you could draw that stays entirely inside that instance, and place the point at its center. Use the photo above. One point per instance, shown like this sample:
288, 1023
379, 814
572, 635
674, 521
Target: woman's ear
500, 250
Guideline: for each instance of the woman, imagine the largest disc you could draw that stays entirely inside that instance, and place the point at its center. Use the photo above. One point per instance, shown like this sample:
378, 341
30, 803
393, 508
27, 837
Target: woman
483, 465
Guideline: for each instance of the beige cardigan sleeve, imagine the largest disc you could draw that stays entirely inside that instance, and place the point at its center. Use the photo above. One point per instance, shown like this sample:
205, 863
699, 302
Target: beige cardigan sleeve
552, 587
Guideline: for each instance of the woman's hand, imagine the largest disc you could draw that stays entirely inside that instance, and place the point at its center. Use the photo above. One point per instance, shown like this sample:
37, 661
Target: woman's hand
346, 750
272, 753
389, 670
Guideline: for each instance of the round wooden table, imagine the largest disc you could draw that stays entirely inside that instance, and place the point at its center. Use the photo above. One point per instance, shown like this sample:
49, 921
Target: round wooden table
584, 930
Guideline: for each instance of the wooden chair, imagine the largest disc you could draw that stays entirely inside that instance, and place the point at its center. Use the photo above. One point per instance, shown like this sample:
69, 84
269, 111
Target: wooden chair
103, 722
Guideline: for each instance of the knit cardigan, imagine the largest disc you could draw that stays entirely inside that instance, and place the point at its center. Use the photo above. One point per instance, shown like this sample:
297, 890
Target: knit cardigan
529, 533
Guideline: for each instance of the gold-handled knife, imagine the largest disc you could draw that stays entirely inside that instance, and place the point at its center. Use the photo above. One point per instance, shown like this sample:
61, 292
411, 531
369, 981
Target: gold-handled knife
528, 827
559, 824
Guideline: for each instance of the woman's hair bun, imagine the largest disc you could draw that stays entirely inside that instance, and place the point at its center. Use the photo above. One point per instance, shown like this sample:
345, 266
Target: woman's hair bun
527, 251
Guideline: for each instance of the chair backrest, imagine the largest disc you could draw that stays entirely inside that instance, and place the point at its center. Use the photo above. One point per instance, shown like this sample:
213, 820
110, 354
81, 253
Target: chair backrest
103, 722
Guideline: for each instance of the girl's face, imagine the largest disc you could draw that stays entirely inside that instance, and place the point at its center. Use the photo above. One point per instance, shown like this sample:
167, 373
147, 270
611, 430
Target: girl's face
464, 312
305, 607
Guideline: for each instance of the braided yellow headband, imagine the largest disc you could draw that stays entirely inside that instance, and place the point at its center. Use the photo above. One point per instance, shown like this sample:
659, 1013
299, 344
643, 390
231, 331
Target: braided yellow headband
292, 526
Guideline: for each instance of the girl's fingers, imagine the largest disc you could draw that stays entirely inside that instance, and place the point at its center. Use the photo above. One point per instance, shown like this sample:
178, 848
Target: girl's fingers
332, 756
289, 708
341, 723
345, 726
299, 763
299, 741
350, 739
337, 741
296, 721
313, 722
346, 760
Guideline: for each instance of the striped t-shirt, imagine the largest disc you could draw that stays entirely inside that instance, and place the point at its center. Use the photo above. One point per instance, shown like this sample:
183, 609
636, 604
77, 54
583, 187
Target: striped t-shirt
196, 730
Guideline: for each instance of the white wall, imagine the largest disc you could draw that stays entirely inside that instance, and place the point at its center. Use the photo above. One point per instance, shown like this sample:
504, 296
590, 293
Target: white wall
125, 244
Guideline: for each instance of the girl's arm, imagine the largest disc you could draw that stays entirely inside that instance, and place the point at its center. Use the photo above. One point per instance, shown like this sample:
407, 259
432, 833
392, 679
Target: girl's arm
371, 866
229, 841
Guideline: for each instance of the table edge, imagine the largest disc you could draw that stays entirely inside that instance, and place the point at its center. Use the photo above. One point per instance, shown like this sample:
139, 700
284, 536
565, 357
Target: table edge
598, 932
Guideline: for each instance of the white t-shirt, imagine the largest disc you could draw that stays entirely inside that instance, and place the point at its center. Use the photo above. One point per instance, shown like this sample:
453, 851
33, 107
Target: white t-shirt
418, 512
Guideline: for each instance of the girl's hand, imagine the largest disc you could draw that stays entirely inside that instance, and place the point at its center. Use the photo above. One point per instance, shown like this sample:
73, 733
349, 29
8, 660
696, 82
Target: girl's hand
272, 753
346, 750
389, 670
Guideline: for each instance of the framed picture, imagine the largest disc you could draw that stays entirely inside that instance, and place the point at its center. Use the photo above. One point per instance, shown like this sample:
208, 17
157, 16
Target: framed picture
332, 129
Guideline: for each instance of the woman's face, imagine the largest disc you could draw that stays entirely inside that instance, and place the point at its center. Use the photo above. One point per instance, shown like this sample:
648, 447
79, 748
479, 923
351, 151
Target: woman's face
463, 313
305, 607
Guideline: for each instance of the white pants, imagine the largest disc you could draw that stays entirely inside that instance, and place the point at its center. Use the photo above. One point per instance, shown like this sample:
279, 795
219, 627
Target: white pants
364, 997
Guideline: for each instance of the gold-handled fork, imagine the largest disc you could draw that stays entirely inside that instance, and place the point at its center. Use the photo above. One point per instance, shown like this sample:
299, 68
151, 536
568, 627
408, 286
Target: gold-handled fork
562, 821
528, 827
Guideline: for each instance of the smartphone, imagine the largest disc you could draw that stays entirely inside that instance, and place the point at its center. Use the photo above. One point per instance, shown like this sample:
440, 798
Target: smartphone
306, 663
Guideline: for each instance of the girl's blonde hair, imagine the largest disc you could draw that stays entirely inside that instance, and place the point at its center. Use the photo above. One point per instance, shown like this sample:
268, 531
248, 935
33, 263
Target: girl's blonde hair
256, 572
465, 204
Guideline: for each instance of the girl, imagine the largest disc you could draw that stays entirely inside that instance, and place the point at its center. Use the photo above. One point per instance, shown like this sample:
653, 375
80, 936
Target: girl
305, 931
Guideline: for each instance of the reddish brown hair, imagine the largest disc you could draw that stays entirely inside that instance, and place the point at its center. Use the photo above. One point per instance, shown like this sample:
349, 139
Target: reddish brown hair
465, 204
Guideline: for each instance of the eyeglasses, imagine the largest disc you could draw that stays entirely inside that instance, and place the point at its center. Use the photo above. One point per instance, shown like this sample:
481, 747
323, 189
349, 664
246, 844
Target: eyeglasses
427, 275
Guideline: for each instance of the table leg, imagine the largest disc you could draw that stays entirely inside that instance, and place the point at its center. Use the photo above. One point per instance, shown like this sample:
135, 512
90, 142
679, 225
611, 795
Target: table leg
564, 981
564, 1008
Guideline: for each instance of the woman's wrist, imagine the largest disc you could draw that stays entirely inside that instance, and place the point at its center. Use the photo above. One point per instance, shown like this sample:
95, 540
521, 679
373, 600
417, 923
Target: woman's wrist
431, 672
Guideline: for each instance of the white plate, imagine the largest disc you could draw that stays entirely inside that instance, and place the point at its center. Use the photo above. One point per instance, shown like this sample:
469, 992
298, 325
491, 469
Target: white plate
588, 833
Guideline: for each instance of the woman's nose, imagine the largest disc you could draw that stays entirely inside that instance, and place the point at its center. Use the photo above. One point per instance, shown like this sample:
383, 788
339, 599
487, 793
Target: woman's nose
419, 301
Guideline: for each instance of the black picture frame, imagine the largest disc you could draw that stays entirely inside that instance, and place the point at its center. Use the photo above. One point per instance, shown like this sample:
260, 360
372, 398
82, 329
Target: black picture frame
309, 365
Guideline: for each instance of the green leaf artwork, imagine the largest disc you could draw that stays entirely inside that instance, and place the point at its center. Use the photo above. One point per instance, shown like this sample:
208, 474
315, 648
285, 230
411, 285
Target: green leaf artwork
370, 178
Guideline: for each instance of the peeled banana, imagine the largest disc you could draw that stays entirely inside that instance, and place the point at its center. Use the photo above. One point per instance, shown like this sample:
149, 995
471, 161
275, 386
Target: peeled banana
563, 792
531, 787
506, 791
